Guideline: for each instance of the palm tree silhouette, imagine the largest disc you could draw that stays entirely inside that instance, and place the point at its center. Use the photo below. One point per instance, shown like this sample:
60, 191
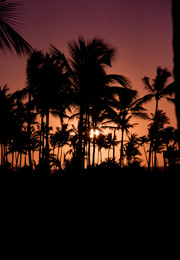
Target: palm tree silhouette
143, 140
10, 40
6, 106
170, 137
48, 85
159, 119
132, 150
126, 106
158, 90
88, 61
176, 44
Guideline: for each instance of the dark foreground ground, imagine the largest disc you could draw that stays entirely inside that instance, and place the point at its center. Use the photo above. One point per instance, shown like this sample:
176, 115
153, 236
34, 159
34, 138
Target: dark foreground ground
132, 189
97, 173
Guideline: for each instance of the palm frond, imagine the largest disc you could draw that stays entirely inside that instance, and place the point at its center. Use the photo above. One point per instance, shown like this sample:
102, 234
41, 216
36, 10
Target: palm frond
10, 39
169, 89
147, 85
171, 100
115, 78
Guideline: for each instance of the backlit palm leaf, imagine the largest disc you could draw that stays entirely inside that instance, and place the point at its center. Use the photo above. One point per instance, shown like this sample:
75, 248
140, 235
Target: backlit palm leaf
10, 40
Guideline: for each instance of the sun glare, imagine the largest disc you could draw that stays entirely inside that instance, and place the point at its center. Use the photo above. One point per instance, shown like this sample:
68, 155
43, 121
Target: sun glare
94, 133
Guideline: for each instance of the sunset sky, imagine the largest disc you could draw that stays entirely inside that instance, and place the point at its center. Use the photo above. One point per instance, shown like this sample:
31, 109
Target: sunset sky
140, 30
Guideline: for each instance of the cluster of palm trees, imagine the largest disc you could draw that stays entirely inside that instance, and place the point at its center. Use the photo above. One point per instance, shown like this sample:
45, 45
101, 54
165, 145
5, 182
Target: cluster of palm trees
76, 87
79, 88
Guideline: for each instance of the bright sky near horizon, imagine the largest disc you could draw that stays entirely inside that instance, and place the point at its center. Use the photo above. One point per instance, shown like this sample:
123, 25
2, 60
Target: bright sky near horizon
140, 30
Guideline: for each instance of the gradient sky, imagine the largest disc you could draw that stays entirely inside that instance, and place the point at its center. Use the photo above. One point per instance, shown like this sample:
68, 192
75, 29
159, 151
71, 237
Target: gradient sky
140, 30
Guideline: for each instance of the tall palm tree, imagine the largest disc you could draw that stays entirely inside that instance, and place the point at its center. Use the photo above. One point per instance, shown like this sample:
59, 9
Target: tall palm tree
10, 39
125, 107
33, 66
158, 90
49, 85
92, 86
176, 44
6, 106
159, 119
88, 60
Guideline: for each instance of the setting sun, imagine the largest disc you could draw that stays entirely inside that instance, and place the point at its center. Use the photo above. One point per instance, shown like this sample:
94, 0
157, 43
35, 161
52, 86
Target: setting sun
94, 133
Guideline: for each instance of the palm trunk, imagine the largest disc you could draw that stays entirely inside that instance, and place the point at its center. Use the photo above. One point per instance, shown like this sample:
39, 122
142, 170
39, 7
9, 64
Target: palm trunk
17, 160
153, 135
94, 146
155, 160
61, 158
79, 146
47, 140
98, 156
29, 133
145, 153
58, 154
2, 155
114, 147
121, 151
5, 153
176, 44
40, 139
20, 160
89, 152
43, 137
12, 160
150, 152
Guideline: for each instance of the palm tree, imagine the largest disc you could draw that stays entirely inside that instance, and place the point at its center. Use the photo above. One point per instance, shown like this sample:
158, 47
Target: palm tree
34, 63
88, 60
176, 44
156, 132
101, 143
93, 88
62, 138
125, 107
170, 137
49, 84
132, 150
158, 90
6, 106
10, 39
143, 140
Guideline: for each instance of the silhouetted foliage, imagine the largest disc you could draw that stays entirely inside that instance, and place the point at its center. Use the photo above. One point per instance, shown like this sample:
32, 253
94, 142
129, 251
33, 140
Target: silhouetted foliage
78, 88
176, 44
158, 90
10, 39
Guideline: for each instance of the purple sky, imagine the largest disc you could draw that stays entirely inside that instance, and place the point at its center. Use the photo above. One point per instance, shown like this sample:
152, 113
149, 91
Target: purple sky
140, 30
